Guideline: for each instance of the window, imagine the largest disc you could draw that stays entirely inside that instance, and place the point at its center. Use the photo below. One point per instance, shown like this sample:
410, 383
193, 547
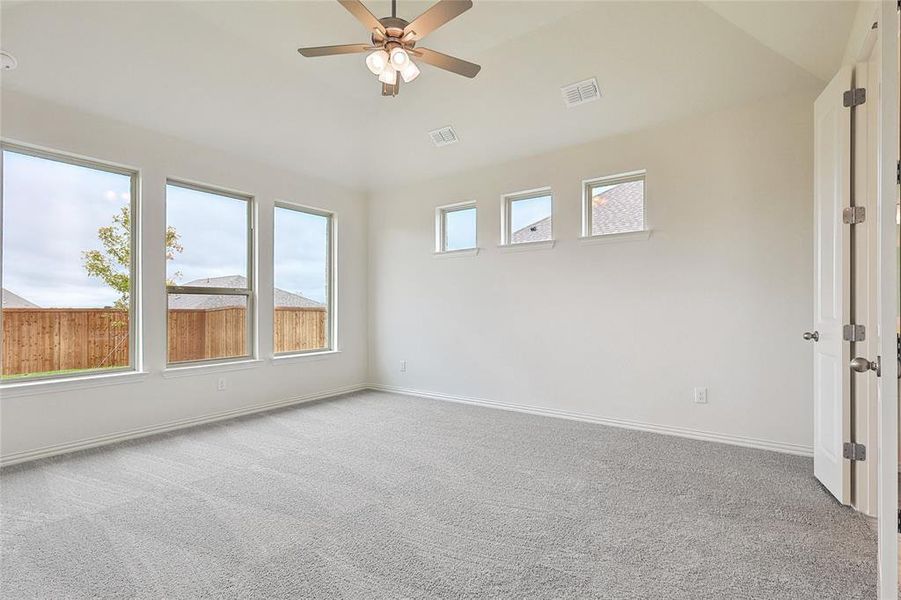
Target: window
614, 204
209, 277
456, 227
528, 217
303, 280
68, 272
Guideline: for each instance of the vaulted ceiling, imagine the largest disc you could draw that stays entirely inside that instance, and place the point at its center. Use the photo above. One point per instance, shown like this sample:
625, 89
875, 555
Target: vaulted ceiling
227, 74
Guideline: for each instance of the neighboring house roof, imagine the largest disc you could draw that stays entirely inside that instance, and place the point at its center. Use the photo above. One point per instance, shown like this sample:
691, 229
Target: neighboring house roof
618, 209
538, 231
615, 210
283, 299
11, 300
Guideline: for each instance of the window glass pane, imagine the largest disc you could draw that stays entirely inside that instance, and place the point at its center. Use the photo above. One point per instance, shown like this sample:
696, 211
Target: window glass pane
617, 208
301, 318
460, 229
530, 219
206, 239
66, 267
204, 327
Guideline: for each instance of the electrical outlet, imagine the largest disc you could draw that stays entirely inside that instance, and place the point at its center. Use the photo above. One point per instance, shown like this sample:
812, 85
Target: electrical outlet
403, 366
220, 385
700, 395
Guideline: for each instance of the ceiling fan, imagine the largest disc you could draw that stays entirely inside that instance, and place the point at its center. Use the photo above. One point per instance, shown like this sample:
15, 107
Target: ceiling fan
394, 42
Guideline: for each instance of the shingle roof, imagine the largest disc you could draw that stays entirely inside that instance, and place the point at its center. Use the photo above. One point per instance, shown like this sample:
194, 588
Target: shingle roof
11, 300
618, 209
283, 299
538, 231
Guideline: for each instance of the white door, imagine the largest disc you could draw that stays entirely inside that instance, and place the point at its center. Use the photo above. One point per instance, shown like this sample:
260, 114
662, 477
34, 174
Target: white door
831, 377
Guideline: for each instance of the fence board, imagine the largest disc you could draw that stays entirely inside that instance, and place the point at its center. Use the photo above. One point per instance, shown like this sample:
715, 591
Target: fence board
44, 340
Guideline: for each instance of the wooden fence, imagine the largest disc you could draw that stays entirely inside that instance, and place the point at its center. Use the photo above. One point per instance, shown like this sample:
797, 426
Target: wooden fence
42, 340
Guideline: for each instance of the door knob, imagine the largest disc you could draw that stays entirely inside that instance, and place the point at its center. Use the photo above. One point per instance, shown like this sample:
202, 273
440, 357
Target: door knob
815, 336
862, 365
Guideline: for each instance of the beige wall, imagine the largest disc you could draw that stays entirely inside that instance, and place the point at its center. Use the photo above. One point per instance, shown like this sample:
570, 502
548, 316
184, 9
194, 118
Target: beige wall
39, 418
717, 297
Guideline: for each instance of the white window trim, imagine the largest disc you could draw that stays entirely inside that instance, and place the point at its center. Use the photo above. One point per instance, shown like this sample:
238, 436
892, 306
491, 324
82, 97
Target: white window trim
441, 229
588, 184
135, 319
249, 292
507, 201
331, 302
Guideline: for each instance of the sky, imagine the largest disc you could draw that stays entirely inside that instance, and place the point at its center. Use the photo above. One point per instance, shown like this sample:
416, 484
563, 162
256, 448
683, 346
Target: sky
460, 229
52, 211
529, 210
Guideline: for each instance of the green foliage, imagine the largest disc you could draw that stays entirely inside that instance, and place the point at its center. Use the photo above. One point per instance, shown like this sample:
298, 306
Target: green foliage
113, 263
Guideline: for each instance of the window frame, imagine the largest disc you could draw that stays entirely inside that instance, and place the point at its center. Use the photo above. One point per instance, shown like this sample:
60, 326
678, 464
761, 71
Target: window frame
587, 214
135, 322
248, 292
331, 278
441, 213
507, 201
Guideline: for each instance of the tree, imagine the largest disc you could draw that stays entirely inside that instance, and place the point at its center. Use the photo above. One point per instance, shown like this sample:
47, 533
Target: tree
113, 263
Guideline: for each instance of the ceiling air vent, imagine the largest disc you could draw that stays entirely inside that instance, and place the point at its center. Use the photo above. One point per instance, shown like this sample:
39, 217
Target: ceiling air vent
581, 92
444, 136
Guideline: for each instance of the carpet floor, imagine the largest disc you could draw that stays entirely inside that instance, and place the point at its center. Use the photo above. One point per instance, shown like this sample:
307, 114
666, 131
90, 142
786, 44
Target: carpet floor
375, 495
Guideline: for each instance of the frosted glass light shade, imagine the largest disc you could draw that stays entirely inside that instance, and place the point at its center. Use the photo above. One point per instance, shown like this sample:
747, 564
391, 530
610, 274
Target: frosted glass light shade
410, 72
377, 61
388, 75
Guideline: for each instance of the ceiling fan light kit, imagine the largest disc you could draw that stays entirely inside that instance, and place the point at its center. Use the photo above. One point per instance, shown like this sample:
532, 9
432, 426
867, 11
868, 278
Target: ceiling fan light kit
394, 40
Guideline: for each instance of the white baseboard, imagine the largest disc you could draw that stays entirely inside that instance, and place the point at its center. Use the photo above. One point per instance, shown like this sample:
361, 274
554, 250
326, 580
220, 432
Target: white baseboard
708, 436
103, 440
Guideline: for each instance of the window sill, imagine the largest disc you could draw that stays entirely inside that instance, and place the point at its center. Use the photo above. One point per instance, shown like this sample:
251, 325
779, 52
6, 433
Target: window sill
49, 386
456, 253
613, 238
217, 367
523, 246
288, 359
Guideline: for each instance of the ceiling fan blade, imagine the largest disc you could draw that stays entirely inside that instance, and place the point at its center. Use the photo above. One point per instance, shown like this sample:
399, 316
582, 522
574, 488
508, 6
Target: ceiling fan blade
437, 15
448, 63
357, 9
331, 50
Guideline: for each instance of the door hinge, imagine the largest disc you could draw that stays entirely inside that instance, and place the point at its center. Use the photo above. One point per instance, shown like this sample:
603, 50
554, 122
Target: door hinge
854, 451
854, 215
854, 333
898, 165
854, 97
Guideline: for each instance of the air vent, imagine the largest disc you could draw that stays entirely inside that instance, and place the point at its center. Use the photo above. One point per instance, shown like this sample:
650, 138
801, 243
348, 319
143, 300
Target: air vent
444, 136
581, 92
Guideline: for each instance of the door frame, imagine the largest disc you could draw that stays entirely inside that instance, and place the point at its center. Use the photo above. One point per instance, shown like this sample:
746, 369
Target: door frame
887, 286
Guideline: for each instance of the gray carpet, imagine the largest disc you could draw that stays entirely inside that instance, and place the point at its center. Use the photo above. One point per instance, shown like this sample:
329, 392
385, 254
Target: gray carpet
381, 496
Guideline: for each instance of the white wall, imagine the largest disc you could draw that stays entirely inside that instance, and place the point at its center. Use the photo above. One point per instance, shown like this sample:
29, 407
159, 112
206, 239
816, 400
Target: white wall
717, 297
45, 419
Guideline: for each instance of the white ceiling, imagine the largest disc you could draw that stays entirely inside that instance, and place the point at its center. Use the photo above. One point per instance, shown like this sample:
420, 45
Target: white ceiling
227, 74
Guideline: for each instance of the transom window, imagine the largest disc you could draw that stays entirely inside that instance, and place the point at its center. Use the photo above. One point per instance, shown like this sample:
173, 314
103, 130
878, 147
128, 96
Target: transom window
528, 217
614, 204
69, 266
209, 274
455, 227
303, 275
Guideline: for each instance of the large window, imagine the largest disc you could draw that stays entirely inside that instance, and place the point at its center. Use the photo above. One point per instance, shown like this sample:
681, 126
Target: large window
614, 205
68, 266
209, 276
528, 217
303, 316
455, 227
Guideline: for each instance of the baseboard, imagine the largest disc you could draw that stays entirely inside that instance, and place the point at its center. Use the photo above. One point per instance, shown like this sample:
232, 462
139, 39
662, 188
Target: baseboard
104, 440
708, 436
